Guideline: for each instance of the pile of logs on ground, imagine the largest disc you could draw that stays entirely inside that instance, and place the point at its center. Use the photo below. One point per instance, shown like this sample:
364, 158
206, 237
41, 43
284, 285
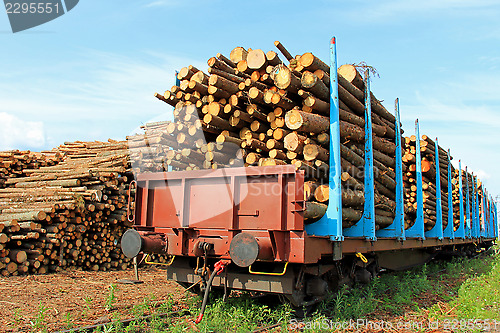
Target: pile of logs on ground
13, 162
255, 108
69, 214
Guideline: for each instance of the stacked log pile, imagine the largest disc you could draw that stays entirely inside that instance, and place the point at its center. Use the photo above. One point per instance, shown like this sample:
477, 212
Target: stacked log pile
427, 151
466, 188
384, 135
69, 214
255, 109
430, 177
483, 209
456, 196
410, 181
13, 162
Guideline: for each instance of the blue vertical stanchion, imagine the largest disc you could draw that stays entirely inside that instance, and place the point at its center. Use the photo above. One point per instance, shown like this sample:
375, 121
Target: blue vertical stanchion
491, 230
490, 219
331, 223
468, 222
487, 212
460, 233
495, 217
477, 224
480, 210
437, 230
483, 215
472, 202
365, 227
417, 229
397, 228
493, 233
177, 81
473, 214
449, 230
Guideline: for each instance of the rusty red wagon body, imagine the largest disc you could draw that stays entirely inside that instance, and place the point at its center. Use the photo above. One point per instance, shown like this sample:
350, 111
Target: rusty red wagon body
213, 206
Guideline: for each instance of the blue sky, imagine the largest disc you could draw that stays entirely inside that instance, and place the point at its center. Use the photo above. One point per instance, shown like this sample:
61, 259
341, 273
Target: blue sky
91, 74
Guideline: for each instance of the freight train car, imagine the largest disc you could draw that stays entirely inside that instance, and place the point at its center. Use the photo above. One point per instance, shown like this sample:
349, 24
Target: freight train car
244, 228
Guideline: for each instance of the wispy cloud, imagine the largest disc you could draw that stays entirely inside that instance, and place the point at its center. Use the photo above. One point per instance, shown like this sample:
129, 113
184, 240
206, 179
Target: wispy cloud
463, 112
95, 97
492, 62
379, 11
482, 174
433, 109
160, 3
20, 133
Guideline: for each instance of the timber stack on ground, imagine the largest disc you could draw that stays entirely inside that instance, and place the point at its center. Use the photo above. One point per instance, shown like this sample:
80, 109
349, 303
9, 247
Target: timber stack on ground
263, 108
69, 214
13, 162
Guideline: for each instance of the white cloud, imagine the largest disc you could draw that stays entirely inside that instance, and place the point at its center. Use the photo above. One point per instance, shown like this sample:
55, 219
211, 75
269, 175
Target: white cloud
482, 174
94, 97
20, 133
160, 3
492, 61
467, 102
431, 108
463, 112
380, 11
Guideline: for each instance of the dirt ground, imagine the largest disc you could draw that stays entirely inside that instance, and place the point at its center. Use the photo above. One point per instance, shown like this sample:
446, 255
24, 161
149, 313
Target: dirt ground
76, 296
79, 298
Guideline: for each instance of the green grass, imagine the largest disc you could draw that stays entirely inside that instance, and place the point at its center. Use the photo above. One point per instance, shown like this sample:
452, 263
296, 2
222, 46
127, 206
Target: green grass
391, 294
39, 325
479, 296
463, 288
238, 314
111, 297
398, 293
242, 314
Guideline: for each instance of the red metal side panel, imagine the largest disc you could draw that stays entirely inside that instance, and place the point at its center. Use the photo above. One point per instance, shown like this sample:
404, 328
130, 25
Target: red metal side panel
215, 205
159, 204
260, 204
166, 215
209, 203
